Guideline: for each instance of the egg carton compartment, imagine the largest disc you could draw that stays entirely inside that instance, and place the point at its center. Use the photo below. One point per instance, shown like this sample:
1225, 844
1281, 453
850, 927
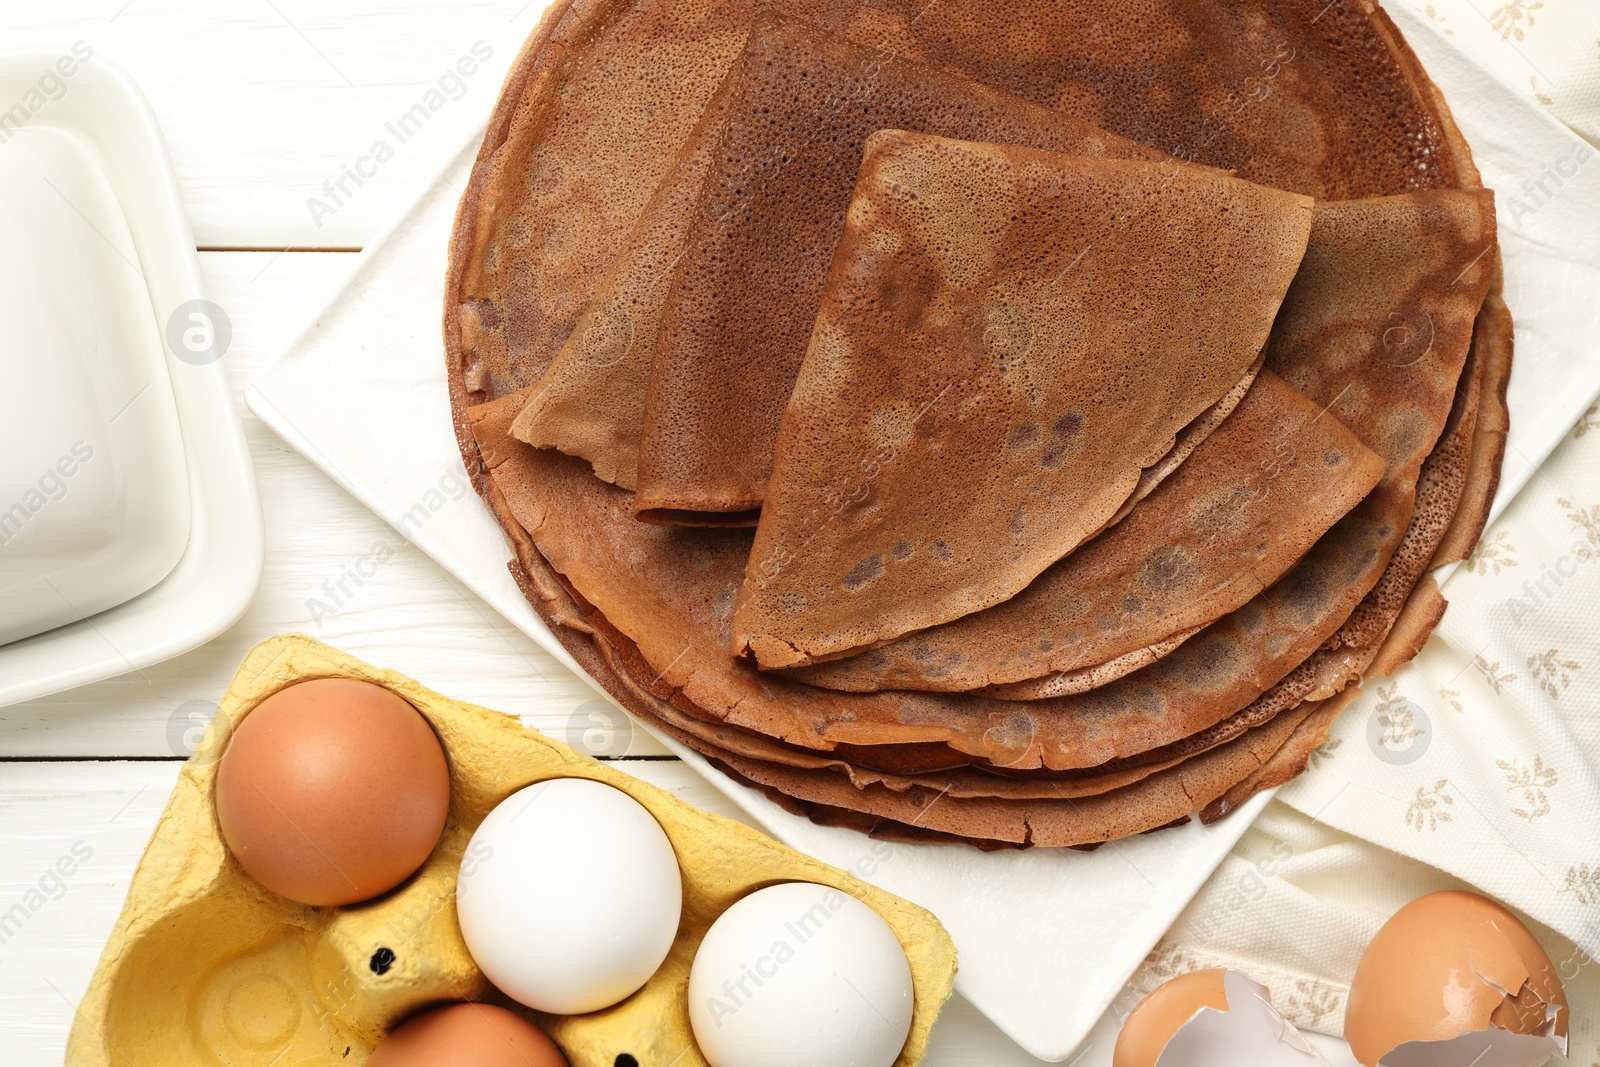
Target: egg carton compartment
207, 968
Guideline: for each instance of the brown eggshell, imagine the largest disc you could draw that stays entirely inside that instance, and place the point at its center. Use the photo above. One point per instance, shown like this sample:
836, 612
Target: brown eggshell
332, 791
1443, 966
1158, 1016
467, 1035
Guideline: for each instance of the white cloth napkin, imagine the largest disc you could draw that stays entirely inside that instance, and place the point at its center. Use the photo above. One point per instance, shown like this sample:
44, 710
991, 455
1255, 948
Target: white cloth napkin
1482, 756
1548, 48
1478, 764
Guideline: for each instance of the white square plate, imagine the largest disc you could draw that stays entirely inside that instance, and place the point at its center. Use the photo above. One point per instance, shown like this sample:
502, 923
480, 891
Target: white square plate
104, 113
1047, 937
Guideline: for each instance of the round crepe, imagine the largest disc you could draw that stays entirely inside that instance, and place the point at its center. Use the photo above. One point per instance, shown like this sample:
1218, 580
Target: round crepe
568, 625
597, 106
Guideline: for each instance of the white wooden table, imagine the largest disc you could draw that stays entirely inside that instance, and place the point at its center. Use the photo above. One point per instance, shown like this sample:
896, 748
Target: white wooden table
264, 101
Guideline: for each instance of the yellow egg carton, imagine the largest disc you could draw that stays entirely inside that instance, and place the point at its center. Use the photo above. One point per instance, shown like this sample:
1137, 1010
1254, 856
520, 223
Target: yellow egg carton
207, 968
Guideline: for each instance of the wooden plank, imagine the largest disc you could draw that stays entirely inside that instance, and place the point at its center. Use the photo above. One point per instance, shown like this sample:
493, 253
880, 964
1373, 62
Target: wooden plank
97, 817
409, 614
263, 103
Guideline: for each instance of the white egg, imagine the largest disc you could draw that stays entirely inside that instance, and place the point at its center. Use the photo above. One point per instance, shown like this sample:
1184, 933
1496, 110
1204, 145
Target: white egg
800, 975
569, 896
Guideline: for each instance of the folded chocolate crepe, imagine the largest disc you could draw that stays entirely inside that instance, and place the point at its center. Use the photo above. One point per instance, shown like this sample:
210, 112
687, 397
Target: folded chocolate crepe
1008, 338
1395, 617
1250, 502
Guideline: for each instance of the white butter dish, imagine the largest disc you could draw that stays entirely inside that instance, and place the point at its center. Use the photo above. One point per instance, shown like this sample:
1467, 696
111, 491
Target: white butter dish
130, 529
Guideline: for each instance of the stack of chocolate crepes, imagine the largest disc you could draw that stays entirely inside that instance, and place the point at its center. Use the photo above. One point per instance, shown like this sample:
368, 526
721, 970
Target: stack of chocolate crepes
1011, 423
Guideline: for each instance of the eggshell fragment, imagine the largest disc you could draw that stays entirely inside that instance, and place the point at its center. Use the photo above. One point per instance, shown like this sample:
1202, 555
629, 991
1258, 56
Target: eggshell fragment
1211, 1018
467, 1035
1455, 978
1157, 1017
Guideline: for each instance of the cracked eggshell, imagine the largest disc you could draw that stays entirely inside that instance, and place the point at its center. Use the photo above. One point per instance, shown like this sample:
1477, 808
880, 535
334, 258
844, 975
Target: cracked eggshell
1455, 978
1211, 1018
205, 966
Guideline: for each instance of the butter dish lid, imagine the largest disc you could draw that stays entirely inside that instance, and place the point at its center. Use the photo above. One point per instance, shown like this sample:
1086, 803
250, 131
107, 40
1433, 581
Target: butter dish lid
94, 501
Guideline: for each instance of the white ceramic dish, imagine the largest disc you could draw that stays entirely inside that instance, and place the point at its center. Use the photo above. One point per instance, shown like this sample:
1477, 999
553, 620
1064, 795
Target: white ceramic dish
1047, 938
155, 543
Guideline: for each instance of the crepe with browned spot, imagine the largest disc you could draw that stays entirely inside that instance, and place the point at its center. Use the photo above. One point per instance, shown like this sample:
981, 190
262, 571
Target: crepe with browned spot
1007, 339
1248, 505
1434, 245
1370, 629
1377, 327
1395, 385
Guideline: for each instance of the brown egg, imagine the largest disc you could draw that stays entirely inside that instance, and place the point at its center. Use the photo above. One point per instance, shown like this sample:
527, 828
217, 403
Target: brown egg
467, 1035
332, 791
1157, 1017
1448, 965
